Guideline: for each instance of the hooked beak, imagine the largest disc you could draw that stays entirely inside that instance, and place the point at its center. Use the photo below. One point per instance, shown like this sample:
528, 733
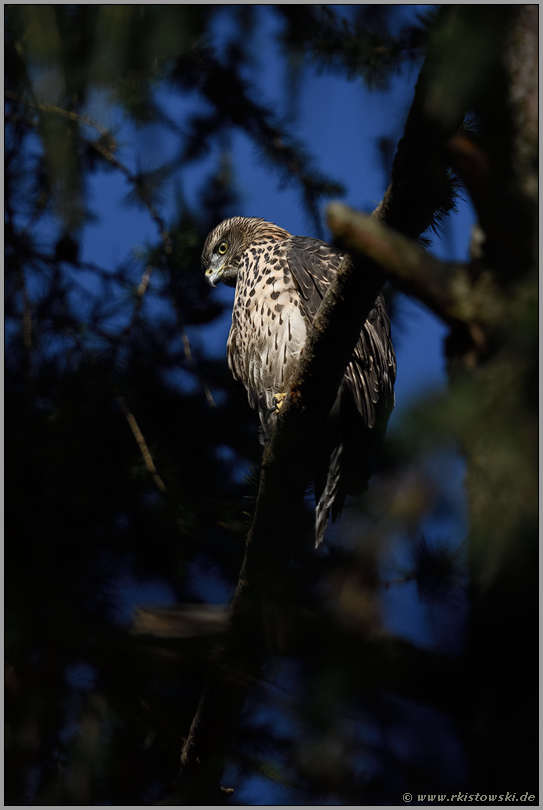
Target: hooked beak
213, 274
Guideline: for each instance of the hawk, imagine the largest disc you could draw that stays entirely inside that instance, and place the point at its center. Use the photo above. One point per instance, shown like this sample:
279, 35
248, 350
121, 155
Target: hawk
280, 281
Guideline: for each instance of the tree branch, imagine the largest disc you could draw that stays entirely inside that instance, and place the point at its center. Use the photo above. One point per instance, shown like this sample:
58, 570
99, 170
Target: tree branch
448, 289
287, 457
70, 114
421, 192
283, 480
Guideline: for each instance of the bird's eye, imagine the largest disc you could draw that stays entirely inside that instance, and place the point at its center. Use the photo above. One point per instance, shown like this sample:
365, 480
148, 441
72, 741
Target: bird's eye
223, 247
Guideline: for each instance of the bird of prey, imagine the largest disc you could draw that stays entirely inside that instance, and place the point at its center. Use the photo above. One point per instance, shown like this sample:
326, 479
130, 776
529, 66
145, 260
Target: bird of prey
280, 280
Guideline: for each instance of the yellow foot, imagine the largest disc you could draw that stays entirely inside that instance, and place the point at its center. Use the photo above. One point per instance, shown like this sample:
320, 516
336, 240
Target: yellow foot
277, 403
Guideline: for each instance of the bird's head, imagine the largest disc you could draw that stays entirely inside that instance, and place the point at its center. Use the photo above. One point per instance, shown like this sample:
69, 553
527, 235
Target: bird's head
222, 252
227, 243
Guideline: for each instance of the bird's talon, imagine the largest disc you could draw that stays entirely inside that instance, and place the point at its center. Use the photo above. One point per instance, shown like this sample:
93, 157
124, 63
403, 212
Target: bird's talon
277, 404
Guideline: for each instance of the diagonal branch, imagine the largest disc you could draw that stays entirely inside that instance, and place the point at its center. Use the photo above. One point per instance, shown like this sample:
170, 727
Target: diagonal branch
69, 114
283, 480
410, 207
142, 444
450, 290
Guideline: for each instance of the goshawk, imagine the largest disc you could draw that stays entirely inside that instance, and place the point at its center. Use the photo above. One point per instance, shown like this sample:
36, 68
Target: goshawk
280, 280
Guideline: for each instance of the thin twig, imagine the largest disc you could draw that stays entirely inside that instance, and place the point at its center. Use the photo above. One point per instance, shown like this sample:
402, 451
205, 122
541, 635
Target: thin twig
142, 444
131, 419
144, 283
107, 152
73, 116
133, 179
192, 363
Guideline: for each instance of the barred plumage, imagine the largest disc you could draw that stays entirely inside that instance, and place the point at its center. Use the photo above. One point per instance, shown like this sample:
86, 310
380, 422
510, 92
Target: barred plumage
280, 281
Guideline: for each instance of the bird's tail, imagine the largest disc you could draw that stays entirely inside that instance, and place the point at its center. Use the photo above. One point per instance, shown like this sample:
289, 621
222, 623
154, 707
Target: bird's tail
344, 458
328, 495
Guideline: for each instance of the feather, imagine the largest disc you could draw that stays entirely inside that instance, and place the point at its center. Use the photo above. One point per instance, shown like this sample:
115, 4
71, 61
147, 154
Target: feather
280, 282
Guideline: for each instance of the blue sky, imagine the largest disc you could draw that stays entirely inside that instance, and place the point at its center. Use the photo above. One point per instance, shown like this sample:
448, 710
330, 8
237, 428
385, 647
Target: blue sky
340, 123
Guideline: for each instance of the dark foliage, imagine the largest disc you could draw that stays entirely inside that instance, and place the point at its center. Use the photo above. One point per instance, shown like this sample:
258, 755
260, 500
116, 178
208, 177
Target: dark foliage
128, 447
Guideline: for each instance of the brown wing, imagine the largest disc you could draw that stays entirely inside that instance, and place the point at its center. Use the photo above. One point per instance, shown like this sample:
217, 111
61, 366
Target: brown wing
313, 264
370, 375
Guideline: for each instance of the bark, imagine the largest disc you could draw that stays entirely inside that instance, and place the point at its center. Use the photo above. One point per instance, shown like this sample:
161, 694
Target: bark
476, 301
284, 477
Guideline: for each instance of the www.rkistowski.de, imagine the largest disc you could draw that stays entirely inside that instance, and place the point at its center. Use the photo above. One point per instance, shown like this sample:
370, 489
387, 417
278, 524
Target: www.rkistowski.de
470, 797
